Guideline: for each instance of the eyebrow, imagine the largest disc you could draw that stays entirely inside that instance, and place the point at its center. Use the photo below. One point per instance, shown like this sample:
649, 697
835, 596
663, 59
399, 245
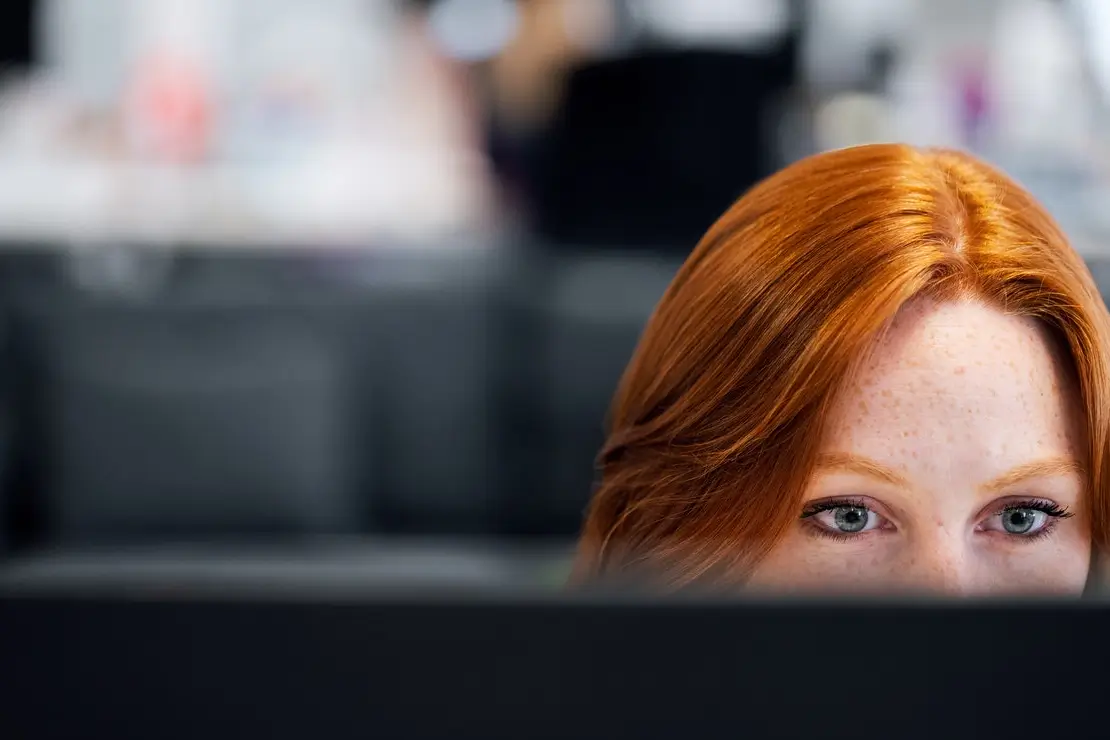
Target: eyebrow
1037, 469
848, 462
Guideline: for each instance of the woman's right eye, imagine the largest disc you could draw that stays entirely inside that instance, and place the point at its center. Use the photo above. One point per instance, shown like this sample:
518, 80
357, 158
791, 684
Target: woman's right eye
845, 519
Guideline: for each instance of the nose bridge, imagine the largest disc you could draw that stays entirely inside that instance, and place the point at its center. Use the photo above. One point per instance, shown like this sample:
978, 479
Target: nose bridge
940, 562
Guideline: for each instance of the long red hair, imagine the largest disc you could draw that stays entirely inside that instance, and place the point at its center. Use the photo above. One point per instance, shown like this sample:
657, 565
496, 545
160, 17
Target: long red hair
715, 426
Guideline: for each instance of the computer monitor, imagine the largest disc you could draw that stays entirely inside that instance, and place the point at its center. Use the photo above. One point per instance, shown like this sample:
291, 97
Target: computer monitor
519, 666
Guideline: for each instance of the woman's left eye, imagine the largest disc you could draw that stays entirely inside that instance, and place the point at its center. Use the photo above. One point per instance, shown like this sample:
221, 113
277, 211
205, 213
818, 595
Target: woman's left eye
846, 519
1019, 521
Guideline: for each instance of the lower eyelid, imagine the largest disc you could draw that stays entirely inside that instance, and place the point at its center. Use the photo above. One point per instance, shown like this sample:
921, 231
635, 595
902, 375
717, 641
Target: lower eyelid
816, 529
1022, 538
1049, 527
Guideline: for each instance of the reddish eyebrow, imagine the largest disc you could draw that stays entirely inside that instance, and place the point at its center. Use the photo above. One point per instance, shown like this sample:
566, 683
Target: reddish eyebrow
848, 462
1037, 469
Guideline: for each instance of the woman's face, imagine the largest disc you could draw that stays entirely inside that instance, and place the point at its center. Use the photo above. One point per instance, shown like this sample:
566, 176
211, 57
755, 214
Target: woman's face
952, 464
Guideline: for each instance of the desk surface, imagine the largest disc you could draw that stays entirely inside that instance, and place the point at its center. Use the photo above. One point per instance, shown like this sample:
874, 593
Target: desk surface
318, 570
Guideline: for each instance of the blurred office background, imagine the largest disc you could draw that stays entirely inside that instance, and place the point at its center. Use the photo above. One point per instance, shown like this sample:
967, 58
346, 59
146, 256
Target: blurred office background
337, 291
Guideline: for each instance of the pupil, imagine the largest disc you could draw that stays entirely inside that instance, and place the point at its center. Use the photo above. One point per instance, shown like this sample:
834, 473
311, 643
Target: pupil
1018, 521
851, 518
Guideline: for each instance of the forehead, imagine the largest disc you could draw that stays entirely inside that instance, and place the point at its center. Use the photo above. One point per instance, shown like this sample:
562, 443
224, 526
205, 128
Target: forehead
962, 381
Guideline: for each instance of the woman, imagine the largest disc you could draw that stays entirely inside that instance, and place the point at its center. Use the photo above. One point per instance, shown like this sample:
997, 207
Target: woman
882, 368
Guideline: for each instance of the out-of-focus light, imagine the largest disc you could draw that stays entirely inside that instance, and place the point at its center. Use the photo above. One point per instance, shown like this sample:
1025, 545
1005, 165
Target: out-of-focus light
1094, 24
473, 30
713, 21
852, 119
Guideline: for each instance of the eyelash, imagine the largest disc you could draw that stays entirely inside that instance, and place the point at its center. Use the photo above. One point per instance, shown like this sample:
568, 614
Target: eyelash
1051, 508
831, 504
1054, 511
821, 506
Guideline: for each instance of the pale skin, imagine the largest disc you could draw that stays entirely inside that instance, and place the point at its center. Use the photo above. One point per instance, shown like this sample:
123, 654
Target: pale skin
952, 463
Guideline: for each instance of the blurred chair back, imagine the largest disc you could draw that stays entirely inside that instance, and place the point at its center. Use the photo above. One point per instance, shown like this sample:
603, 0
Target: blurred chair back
184, 416
593, 312
427, 346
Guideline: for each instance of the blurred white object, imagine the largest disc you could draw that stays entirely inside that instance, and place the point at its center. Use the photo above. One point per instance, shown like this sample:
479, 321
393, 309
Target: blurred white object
840, 36
936, 84
1093, 24
852, 119
83, 44
925, 102
181, 28
474, 30
339, 52
248, 122
1039, 89
731, 23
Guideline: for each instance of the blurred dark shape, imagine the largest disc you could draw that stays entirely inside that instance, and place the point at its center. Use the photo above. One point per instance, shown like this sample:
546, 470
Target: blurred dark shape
249, 399
386, 418
431, 355
170, 420
185, 415
502, 665
648, 150
16, 36
588, 317
881, 62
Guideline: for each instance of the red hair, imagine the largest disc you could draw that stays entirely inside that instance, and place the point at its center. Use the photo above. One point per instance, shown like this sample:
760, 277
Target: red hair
715, 426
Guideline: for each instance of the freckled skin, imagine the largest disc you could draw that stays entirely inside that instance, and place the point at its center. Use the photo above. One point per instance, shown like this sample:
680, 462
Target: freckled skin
953, 396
